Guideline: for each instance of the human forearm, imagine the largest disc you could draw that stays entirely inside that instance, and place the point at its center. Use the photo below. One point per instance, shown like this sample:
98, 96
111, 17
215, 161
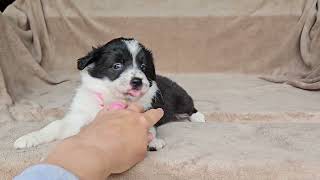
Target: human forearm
82, 160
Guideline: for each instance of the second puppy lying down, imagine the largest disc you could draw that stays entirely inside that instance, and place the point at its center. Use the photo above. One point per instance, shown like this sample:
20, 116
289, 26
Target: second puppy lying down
120, 70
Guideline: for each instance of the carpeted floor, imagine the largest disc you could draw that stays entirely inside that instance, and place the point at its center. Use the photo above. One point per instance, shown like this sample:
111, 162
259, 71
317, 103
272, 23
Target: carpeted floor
255, 130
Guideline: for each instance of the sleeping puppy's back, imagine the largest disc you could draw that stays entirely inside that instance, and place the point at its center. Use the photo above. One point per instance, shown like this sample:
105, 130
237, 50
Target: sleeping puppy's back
173, 99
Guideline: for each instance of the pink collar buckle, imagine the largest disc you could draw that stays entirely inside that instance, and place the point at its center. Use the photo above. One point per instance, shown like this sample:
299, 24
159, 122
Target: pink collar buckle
117, 106
112, 106
100, 99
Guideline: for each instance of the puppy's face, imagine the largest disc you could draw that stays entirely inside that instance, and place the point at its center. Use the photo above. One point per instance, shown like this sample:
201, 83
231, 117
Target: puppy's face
123, 65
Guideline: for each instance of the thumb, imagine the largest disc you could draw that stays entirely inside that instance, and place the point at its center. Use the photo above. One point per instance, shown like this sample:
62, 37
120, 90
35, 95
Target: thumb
135, 107
152, 116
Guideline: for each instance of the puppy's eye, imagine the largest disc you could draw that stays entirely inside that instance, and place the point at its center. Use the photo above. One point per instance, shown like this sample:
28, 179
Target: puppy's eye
143, 67
117, 66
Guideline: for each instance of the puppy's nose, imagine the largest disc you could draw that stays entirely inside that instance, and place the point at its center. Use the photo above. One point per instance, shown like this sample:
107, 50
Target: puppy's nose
136, 83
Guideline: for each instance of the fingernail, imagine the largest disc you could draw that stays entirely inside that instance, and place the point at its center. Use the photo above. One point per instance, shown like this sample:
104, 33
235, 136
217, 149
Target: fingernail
161, 110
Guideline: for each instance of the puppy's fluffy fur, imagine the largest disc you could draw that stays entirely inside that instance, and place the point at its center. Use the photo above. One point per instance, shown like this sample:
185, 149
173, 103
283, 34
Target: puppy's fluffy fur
122, 69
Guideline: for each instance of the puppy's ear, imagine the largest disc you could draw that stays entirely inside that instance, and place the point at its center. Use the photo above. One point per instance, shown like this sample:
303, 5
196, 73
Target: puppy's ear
86, 60
151, 69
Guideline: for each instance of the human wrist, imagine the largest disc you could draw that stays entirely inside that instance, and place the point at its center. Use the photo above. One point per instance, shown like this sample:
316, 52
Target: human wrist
84, 161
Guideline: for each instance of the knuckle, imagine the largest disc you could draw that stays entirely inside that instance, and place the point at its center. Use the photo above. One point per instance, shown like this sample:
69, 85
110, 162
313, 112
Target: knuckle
127, 112
133, 115
142, 119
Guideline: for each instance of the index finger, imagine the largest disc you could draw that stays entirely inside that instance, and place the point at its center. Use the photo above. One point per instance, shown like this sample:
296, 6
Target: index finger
135, 107
152, 116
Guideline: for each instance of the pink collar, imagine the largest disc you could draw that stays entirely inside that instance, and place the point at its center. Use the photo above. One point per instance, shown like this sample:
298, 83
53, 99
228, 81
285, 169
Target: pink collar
100, 99
112, 106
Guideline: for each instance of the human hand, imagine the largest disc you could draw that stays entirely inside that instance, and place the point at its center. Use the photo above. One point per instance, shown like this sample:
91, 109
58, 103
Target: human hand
112, 143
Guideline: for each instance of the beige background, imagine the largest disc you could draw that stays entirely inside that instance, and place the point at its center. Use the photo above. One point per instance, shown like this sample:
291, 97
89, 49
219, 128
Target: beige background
216, 49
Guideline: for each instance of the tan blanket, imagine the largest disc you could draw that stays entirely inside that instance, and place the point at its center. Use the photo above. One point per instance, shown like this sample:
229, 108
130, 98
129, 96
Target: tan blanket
303, 70
41, 37
40, 41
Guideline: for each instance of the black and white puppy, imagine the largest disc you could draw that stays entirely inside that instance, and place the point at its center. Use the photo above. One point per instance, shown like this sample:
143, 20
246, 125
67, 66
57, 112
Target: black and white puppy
121, 70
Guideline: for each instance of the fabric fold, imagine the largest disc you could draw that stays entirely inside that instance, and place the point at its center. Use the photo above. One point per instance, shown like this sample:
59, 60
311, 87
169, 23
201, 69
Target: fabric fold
303, 72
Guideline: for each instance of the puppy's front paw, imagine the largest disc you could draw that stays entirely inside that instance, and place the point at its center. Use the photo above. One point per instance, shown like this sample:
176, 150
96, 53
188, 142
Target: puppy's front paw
27, 141
156, 144
197, 117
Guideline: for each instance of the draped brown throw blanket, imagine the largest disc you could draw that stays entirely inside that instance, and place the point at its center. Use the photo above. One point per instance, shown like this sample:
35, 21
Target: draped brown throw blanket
302, 71
276, 40
39, 37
